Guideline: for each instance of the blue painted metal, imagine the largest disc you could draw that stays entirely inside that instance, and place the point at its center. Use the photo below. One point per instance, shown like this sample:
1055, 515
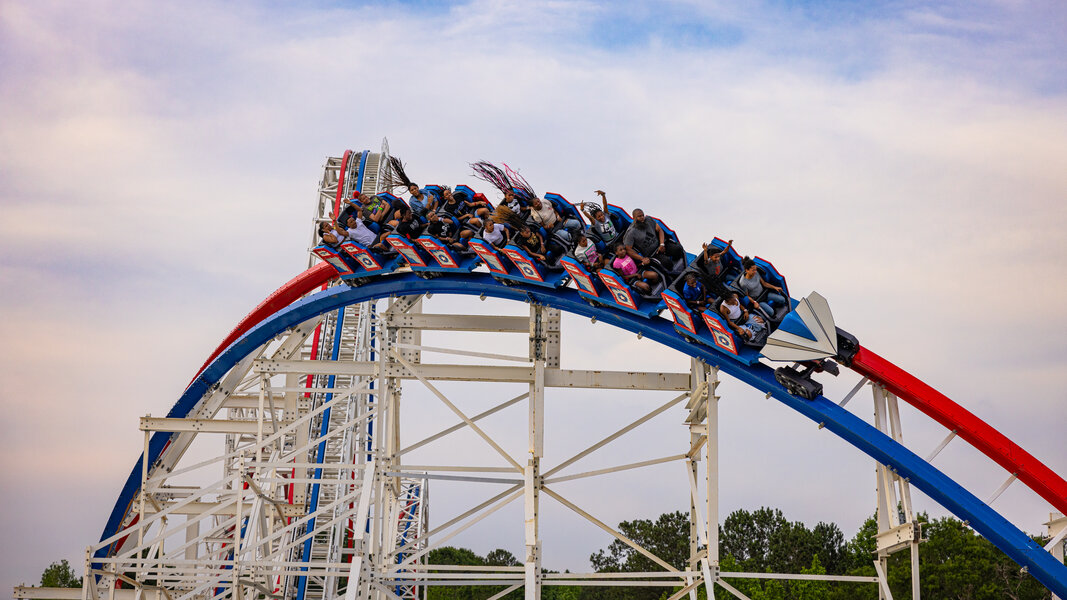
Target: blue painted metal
529, 271
835, 419
413, 255
792, 323
491, 257
684, 320
345, 265
370, 262
588, 284
445, 260
335, 352
564, 207
623, 297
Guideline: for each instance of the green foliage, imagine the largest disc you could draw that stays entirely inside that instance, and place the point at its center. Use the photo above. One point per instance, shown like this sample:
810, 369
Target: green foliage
449, 555
763, 541
59, 574
667, 537
501, 558
955, 562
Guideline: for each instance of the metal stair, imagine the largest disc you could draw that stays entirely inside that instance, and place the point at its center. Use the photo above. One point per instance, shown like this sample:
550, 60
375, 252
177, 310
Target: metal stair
340, 457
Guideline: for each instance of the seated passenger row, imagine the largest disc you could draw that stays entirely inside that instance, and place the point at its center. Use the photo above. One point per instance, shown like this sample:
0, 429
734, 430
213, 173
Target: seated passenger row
632, 262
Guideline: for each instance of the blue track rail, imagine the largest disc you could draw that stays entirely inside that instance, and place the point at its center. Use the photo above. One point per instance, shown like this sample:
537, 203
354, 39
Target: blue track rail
837, 420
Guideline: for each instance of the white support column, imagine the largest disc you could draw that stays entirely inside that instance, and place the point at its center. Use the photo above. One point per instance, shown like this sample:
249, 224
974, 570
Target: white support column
1057, 531
712, 454
694, 546
711, 568
539, 350
896, 531
703, 423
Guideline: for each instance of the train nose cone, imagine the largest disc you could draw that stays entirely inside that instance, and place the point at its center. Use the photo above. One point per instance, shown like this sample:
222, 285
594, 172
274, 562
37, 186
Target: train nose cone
806, 333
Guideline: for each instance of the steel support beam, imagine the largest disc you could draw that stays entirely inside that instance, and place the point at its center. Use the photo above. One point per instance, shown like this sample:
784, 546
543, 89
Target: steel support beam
591, 379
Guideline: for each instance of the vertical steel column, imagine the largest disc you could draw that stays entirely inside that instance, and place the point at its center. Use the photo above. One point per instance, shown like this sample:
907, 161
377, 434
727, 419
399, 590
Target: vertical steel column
703, 421
694, 546
1057, 530
897, 528
712, 455
532, 473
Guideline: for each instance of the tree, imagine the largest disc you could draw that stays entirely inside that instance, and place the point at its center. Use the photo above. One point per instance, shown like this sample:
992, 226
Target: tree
60, 575
764, 540
667, 537
501, 558
449, 555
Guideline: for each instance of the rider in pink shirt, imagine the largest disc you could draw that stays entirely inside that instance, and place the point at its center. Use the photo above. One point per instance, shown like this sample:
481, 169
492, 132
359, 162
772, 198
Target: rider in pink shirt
625, 266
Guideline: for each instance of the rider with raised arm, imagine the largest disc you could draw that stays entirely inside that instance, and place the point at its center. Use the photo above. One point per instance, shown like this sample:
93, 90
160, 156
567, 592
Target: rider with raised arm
602, 229
331, 234
715, 267
358, 231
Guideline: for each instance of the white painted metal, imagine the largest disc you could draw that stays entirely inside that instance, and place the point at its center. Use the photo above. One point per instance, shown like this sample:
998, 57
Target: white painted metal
313, 457
948, 438
1057, 531
1000, 490
814, 311
897, 528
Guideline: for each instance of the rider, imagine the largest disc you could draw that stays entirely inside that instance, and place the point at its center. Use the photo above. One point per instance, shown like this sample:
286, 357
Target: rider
752, 285
625, 266
647, 238
694, 292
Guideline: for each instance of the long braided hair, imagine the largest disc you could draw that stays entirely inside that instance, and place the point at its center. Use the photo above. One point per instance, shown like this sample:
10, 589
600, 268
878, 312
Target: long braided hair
519, 183
492, 174
395, 176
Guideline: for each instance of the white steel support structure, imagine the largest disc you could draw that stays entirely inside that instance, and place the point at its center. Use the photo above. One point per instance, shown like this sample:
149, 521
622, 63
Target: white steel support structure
315, 495
703, 421
544, 351
897, 528
1057, 533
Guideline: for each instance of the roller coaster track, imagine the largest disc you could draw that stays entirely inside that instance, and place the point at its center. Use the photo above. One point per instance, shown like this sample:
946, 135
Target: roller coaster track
302, 298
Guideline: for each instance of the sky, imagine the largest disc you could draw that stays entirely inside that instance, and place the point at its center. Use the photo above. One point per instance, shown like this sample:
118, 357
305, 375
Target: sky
159, 162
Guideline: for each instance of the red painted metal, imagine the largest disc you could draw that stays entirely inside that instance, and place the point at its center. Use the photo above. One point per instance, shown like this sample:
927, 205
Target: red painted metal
975, 431
341, 184
292, 291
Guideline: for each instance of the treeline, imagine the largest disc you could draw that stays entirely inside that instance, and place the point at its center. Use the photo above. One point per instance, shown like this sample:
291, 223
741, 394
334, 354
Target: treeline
954, 562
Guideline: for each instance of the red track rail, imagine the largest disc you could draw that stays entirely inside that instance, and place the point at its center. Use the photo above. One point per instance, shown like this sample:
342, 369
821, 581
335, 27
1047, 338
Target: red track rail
341, 184
977, 432
297, 287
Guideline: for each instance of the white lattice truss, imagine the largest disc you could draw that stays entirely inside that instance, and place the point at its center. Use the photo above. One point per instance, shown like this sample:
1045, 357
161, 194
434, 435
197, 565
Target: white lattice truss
312, 499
